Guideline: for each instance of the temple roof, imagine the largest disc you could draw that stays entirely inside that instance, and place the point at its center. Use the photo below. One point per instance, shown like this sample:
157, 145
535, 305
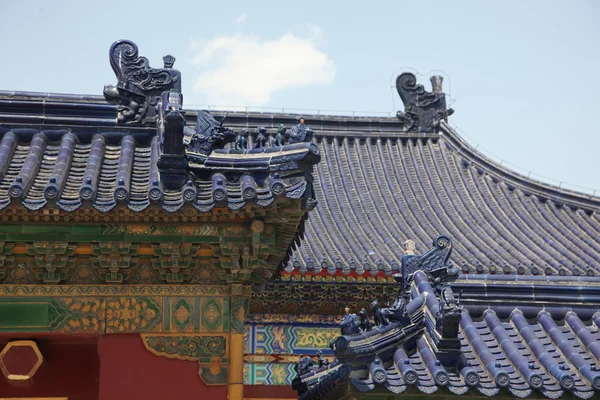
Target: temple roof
377, 186
517, 355
382, 180
49, 168
377, 191
70, 152
134, 155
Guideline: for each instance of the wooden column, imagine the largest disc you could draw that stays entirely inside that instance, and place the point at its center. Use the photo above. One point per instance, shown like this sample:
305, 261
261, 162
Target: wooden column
236, 367
239, 310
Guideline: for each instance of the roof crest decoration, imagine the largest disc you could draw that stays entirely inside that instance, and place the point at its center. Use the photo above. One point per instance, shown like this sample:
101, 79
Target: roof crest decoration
147, 96
139, 86
425, 311
423, 110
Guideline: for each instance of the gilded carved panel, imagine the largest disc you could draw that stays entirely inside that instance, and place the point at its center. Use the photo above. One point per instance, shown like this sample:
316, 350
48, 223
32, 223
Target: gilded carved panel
133, 314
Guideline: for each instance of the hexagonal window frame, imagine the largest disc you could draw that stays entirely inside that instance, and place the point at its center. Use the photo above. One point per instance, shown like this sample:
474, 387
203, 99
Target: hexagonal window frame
20, 343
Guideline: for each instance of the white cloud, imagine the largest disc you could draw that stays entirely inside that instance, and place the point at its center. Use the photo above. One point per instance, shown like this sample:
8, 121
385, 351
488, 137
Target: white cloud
312, 32
247, 70
241, 18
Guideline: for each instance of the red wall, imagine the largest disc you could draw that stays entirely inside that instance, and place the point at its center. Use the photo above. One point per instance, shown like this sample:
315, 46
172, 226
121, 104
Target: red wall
112, 367
129, 371
70, 369
269, 392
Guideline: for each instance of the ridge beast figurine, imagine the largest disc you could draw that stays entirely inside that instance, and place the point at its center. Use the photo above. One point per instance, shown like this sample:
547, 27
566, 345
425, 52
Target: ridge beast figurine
242, 140
300, 133
261, 138
209, 134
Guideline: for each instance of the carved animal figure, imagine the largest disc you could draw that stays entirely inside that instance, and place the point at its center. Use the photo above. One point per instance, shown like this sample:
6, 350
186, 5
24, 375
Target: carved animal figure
304, 366
349, 324
280, 136
423, 110
447, 299
380, 319
301, 133
323, 362
433, 262
209, 134
242, 141
397, 311
365, 321
261, 138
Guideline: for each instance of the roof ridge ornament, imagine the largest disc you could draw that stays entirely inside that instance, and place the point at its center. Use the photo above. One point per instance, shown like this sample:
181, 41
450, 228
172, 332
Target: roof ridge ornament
423, 110
139, 86
209, 134
422, 318
168, 61
434, 263
172, 162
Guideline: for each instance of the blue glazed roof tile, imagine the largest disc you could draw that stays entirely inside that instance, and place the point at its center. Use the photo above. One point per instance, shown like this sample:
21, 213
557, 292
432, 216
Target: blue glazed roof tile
522, 357
377, 186
70, 175
379, 192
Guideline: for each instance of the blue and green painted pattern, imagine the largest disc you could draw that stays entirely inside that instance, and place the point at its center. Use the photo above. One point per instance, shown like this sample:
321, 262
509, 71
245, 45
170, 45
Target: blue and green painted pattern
287, 339
115, 314
282, 339
269, 374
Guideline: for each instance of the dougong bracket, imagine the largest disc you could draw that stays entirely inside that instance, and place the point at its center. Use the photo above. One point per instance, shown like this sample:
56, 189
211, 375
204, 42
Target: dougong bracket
52, 260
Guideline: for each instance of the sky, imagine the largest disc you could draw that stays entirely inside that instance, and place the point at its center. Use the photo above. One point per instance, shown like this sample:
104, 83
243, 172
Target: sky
522, 76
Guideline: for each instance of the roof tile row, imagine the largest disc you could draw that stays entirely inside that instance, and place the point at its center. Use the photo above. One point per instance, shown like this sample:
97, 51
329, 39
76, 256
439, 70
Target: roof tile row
375, 194
102, 175
516, 355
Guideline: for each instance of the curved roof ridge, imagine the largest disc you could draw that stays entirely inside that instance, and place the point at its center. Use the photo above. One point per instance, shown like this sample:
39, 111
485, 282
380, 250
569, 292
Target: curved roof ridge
544, 191
52, 96
362, 127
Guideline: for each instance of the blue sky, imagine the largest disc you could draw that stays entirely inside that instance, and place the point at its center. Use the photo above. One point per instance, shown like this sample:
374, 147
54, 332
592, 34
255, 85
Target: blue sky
522, 76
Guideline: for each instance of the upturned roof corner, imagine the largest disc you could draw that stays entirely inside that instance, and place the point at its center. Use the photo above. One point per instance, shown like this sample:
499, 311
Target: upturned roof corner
133, 156
146, 95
